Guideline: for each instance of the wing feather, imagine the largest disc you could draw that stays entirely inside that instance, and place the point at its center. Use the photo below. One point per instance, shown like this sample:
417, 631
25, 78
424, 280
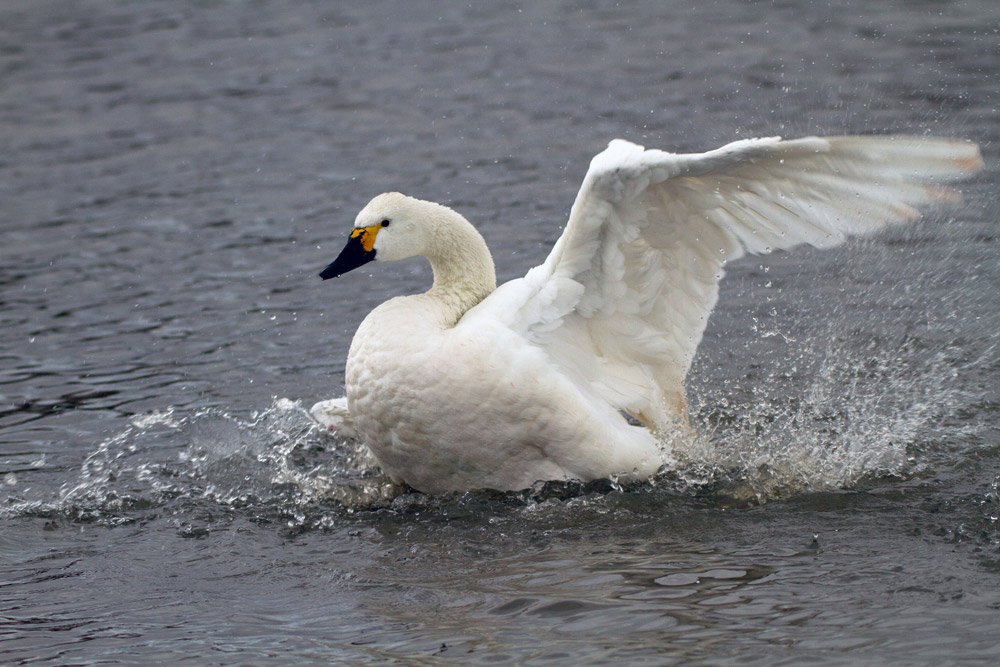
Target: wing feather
623, 299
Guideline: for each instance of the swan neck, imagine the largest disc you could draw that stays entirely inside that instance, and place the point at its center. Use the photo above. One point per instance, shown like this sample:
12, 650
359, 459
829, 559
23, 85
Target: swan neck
464, 273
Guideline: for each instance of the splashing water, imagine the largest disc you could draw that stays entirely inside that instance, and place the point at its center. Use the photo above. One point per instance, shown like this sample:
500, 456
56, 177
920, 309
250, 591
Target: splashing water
860, 414
855, 416
832, 411
276, 463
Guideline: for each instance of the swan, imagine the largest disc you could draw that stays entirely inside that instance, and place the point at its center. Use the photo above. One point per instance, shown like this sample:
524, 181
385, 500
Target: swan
473, 386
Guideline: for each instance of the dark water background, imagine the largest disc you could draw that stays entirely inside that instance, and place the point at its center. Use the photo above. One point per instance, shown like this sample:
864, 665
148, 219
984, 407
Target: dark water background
172, 176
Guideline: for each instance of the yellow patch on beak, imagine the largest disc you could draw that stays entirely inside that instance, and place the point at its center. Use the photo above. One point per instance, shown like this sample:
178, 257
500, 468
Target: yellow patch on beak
367, 235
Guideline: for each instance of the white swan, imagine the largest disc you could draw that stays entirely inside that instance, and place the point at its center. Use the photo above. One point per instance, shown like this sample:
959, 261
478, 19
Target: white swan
473, 386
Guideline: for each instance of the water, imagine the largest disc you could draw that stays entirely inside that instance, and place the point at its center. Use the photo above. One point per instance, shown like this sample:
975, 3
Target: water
173, 175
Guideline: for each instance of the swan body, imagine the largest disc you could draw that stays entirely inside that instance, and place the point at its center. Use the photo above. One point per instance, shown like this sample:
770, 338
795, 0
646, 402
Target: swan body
473, 386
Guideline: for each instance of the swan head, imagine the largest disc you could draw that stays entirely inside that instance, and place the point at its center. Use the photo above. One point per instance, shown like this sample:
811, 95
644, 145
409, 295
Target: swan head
392, 226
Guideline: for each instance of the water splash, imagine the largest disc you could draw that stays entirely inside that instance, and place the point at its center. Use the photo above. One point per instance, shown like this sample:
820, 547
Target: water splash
851, 415
826, 418
278, 463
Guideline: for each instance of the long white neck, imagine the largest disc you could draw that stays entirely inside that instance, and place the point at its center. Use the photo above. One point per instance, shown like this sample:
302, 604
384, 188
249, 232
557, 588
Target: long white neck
463, 268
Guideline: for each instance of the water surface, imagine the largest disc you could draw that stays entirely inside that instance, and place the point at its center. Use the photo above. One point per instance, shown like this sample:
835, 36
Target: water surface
173, 175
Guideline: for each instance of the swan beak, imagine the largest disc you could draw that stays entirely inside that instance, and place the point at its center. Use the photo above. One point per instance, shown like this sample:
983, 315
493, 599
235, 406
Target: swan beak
360, 250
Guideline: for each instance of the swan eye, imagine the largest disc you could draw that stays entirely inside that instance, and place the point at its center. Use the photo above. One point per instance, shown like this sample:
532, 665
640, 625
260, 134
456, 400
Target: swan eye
385, 223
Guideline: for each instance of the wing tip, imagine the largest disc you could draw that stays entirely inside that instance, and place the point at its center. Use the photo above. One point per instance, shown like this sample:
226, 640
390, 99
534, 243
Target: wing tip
943, 195
973, 161
926, 157
964, 155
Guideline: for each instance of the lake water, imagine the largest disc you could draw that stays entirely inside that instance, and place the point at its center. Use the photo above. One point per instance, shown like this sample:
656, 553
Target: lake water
173, 176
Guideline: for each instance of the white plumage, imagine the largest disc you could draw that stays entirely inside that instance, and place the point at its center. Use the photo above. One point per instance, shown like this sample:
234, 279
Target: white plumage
468, 386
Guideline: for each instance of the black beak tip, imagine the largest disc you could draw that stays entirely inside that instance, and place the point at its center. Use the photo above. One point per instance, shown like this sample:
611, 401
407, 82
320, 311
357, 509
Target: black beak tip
351, 257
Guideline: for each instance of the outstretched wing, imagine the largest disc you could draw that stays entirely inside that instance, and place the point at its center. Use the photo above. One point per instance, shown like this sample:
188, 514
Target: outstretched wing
623, 299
